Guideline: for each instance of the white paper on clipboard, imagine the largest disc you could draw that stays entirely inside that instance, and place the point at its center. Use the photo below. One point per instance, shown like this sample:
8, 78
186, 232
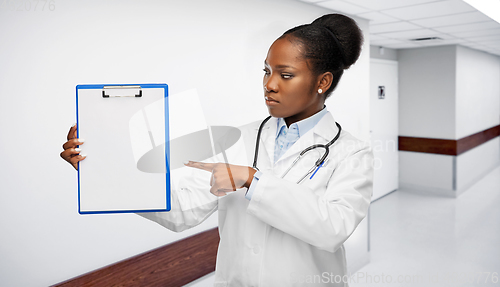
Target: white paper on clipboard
108, 179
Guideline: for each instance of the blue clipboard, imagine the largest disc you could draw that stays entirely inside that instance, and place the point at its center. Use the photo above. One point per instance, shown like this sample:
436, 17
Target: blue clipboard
121, 125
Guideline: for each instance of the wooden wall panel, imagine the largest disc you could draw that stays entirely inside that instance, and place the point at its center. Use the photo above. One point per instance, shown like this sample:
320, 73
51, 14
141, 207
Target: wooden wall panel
428, 145
447, 147
472, 141
175, 264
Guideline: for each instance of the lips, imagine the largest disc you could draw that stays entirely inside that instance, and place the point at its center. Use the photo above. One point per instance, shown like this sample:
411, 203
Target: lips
270, 99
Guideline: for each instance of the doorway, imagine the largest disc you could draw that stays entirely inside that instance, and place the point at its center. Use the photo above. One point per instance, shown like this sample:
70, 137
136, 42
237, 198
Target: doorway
384, 125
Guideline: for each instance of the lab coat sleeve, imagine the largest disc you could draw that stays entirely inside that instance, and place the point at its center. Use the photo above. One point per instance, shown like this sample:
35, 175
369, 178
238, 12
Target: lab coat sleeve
191, 201
326, 220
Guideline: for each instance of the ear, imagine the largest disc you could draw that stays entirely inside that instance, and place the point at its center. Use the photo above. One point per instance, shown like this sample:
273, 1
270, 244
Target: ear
325, 81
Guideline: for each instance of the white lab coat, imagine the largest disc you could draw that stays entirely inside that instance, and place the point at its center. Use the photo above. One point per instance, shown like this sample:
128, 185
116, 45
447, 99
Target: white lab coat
289, 234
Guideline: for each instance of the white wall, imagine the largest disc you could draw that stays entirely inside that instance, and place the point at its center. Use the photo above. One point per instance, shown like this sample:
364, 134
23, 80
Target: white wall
425, 172
383, 54
478, 91
217, 47
427, 109
473, 164
427, 92
448, 92
350, 103
478, 108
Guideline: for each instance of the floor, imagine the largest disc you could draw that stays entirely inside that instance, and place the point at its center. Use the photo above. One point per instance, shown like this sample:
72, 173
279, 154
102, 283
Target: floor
421, 240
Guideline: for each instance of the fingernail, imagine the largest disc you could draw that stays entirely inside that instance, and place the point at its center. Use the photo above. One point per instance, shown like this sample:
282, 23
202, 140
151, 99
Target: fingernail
186, 162
78, 149
81, 140
73, 125
83, 155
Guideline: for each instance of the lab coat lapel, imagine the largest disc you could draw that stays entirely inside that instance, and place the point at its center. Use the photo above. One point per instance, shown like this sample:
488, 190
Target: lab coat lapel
326, 128
267, 140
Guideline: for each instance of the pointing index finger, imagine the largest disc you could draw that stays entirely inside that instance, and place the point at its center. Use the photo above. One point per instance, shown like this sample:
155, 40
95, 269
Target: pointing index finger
200, 165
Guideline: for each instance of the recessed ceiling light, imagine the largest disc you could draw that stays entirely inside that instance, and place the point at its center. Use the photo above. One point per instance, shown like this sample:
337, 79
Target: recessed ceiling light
426, 39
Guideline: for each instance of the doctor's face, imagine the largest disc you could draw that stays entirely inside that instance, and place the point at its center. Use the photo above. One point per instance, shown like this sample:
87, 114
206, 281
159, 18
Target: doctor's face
290, 87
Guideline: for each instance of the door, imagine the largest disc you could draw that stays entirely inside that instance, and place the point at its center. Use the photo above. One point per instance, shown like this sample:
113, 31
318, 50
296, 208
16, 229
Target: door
384, 125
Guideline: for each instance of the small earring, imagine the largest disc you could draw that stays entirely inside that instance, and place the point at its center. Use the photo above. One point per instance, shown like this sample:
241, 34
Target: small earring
320, 91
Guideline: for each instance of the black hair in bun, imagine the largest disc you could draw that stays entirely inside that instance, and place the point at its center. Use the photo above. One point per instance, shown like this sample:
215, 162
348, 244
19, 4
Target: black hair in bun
331, 43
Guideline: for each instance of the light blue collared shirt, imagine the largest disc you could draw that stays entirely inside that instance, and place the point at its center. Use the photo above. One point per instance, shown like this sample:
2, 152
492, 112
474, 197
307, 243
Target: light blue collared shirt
285, 138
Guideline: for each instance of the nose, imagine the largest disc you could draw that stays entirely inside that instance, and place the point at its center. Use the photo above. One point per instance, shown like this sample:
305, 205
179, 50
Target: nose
270, 84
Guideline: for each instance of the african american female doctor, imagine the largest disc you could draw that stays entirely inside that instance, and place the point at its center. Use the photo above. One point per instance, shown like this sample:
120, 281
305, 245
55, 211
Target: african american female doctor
282, 226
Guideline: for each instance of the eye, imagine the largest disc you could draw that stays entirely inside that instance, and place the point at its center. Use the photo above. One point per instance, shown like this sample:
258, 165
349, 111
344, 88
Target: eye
286, 76
266, 72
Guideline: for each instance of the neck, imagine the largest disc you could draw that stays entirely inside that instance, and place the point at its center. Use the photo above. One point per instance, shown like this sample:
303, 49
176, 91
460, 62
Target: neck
296, 118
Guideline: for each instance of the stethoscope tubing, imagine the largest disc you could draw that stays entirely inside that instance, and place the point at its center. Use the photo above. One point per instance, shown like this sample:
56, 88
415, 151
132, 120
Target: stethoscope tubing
318, 163
257, 142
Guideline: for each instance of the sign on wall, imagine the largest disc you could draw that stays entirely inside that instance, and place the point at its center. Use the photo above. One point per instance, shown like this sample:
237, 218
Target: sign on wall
381, 92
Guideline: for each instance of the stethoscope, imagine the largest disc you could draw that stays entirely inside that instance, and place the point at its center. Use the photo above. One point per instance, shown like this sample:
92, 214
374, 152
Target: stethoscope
318, 163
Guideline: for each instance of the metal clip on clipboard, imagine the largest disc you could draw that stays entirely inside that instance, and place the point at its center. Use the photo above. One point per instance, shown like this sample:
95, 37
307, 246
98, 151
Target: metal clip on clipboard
110, 91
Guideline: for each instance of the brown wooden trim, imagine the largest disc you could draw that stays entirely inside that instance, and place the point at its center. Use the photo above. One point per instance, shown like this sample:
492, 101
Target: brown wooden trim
472, 141
175, 264
427, 145
447, 147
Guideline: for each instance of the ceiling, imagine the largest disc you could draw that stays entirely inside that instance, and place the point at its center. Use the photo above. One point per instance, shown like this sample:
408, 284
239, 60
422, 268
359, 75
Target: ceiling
394, 23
